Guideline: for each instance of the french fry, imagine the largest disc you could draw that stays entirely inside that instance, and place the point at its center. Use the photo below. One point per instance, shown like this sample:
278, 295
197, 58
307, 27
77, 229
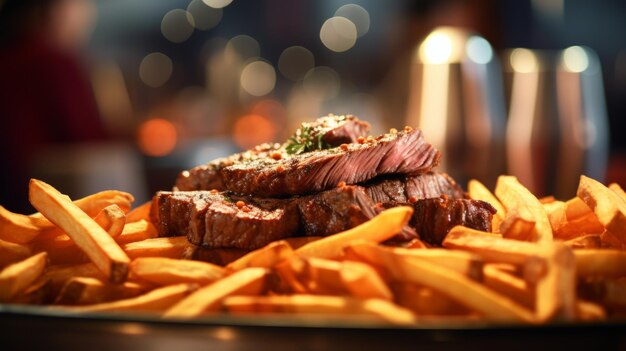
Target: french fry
576, 208
478, 191
316, 304
265, 257
11, 252
168, 271
590, 241
618, 190
363, 282
456, 286
156, 300
611, 292
141, 212
93, 204
101, 249
465, 263
21, 229
137, 231
208, 298
425, 301
291, 272
608, 206
16, 277
37, 293
59, 274
299, 241
380, 228
556, 292
86, 290
112, 219
490, 248
61, 250
525, 219
170, 247
589, 311
600, 263
509, 285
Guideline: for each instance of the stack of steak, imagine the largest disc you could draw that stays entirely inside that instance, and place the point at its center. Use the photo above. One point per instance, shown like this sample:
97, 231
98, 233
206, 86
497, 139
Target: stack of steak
328, 177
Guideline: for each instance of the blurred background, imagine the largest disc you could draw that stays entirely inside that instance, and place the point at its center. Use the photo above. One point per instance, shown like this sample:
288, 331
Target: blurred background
98, 94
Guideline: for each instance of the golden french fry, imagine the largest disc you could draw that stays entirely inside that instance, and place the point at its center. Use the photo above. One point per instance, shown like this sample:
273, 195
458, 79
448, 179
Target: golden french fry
170, 247
137, 231
456, 286
11, 252
525, 219
509, 285
589, 311
363, 282
21, 229
37, 293
490, 248
600, 263
465, 263
576, 208
61, 250
101, 249
590, 241
265, 257
208, 298
618, 190
167, 271
316, 304
299, 241
141, 212
59, 274
112, 219
425, 301
380, 228
556, 291
478, 191
86, 291
16, 277
611, 292
156, 300
94, 203
608, 206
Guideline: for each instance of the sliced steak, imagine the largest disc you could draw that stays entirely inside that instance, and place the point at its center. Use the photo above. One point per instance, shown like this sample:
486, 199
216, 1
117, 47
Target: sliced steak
402, 189
216, 220
433, 218
326, 132
404, 152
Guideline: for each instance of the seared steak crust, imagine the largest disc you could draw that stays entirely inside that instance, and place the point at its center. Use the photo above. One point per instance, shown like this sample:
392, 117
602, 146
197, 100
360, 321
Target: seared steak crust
399, 189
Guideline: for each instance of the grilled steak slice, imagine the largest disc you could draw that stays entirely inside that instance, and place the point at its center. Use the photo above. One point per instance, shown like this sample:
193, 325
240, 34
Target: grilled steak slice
404, 152
326, 132
216, 220
433, 218
402, 189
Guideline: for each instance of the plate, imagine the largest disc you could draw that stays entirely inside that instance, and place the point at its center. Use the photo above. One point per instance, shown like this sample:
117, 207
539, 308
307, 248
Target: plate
32, 327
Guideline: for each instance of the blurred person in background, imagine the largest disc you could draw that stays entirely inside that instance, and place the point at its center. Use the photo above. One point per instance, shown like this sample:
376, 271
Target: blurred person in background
45, 95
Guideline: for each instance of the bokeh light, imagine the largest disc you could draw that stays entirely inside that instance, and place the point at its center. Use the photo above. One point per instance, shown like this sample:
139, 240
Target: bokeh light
177, 25
338, 34
252, 129
357, 15
243, 47
575, 59
524, 61
295, 61
156, 137
204, 17
217, 4
479, 50
155, 69
258, 78
323, 82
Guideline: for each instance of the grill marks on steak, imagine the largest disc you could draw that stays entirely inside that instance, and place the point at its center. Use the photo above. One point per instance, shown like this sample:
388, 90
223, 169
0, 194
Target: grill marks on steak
402, 189
433, 218
215, 220
404, 152
332, 131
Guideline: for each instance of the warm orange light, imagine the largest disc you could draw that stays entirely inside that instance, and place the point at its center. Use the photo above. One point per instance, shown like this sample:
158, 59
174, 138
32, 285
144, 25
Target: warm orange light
251, 130
271, 109
157, 137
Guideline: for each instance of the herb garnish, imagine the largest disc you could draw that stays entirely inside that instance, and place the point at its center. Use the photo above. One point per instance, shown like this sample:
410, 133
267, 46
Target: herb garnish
305, 140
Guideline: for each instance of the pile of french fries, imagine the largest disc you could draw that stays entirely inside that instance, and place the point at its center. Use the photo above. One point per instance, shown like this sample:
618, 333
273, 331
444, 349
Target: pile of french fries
546, 261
